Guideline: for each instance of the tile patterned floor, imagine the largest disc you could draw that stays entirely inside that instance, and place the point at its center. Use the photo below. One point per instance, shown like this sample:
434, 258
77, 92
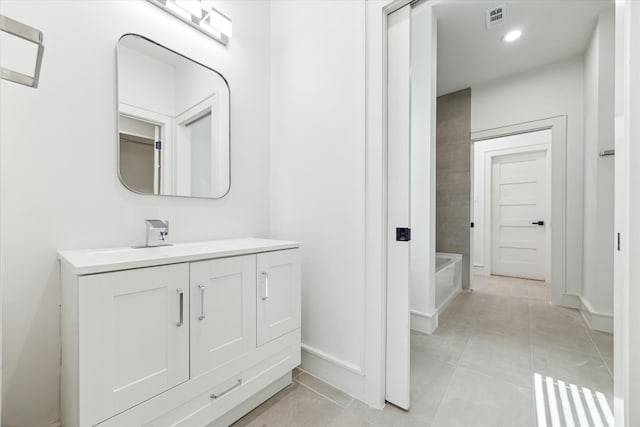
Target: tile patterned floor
475, 370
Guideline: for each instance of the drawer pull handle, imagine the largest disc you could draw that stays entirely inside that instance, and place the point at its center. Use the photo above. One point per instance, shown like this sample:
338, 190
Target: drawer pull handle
202, 315
265, 291
181, 293
236, 385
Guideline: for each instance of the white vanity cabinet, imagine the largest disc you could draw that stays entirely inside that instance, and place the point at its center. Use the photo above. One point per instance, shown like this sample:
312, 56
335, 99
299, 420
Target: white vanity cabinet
188, 335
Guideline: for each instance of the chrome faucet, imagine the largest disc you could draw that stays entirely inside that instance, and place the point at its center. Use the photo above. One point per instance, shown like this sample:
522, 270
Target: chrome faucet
157, 230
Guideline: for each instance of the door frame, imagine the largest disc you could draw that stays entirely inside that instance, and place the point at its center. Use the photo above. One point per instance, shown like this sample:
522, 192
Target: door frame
166, 136
489, 155
558, 193
626, 375
626, 61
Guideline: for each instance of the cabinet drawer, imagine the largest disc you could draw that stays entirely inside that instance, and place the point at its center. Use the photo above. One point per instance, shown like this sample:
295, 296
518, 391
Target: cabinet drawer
273, 361
133, 338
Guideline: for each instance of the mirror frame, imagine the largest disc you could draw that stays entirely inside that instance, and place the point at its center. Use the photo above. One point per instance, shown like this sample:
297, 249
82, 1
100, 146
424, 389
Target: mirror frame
118, 120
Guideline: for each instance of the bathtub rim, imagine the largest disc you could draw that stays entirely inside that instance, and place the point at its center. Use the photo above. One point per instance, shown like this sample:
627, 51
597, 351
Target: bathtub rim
453, 258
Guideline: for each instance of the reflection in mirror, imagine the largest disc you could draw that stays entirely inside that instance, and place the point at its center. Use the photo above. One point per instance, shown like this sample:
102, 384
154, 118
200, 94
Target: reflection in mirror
173, 122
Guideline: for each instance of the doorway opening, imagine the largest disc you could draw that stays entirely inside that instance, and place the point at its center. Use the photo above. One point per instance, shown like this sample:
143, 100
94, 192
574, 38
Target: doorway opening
140, 156
503, 331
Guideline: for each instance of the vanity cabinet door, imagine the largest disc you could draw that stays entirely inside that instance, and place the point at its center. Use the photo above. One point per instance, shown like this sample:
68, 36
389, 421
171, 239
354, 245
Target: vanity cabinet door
223, 311
133, 337
278, 307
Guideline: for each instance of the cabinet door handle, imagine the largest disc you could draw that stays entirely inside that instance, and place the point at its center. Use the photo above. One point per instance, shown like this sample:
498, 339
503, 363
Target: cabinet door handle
236, 385
181, 303
265, 289
202, 315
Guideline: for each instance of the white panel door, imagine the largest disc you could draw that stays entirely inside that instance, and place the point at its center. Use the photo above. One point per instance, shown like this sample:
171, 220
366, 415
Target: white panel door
279, 291
223, 311
627, 211
133, 337
519, 211
399, 203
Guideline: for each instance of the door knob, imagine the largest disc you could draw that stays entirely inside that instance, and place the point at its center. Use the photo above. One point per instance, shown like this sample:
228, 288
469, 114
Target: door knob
538, 223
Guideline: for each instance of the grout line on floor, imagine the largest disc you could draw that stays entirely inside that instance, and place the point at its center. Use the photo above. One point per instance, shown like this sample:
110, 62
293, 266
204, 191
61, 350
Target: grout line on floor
531, 359
322, 395
606, 365
493, 377
300, 371
457, 366
588, 330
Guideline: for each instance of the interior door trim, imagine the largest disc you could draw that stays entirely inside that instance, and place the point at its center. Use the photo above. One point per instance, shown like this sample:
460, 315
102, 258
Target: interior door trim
558, 218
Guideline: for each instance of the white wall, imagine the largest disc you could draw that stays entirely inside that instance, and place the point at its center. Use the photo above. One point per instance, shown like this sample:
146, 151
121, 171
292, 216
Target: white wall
318, 175
375, 227
140, 76
549, 91
423, 166
191, 78
185, 82
597, 289
59, 185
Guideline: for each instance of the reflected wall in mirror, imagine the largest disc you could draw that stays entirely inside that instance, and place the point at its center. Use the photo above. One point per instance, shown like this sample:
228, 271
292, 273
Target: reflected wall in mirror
173, 122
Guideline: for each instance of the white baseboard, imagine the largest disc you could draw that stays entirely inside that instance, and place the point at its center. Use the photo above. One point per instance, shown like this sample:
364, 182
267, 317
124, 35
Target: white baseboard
345, 376
450, 298
351, 367
596, 320
570, 301
424, 322
479, 270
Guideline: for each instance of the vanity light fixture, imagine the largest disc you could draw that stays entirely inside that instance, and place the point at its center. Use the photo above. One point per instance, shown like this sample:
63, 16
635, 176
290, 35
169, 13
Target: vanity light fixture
201, 15
512, 36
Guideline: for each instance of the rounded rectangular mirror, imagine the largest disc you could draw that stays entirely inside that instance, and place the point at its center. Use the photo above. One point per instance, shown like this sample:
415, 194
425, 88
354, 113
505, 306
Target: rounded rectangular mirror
173, 122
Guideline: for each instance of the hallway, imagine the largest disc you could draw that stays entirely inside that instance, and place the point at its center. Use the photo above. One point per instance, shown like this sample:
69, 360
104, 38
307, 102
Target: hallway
477, 369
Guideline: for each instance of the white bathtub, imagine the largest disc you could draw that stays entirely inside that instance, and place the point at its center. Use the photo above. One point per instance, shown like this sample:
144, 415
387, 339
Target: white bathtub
448, 285
448, 278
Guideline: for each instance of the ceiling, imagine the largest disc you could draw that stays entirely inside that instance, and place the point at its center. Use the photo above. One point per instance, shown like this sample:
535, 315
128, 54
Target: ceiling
469, 54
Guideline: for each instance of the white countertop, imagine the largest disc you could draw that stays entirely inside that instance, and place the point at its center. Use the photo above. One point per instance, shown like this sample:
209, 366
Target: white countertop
91, 261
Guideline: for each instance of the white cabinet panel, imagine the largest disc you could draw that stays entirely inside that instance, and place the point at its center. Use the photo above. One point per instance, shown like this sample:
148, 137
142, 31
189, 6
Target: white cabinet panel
223, 311
133, 344
278, 280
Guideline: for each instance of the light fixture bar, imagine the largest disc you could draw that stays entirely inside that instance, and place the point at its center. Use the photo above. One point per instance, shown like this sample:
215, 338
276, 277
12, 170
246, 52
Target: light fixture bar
218, 21
209, 21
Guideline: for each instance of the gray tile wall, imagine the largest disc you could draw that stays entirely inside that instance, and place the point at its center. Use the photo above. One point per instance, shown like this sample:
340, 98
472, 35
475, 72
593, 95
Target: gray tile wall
453, 181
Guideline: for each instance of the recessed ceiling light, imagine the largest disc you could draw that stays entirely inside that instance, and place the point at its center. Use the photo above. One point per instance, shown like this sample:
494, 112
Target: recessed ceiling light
512, 36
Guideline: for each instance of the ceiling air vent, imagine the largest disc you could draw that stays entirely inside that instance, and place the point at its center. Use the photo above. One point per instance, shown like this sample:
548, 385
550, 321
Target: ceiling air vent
495, 16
